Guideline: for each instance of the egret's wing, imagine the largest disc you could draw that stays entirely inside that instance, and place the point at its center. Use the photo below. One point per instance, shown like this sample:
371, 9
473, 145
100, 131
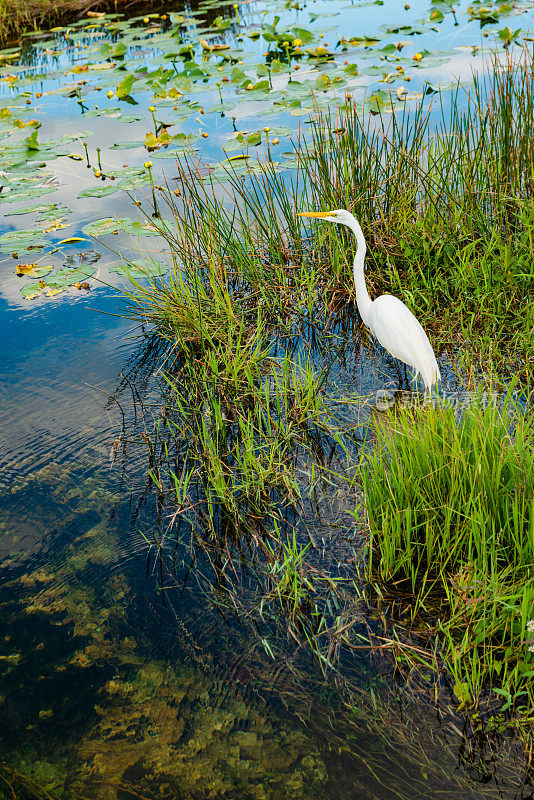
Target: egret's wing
401, 334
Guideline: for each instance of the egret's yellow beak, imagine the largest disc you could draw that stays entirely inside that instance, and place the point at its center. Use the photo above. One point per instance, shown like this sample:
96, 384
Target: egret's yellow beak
317, 214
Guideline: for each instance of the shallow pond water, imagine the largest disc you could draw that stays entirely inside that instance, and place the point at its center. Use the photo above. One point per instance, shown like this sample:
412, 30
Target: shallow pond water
122, 675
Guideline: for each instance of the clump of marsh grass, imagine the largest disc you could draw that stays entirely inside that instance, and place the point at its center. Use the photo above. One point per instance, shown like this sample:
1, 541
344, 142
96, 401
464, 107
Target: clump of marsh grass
245, 411
447, 201
450, 511
451, 492
228, 472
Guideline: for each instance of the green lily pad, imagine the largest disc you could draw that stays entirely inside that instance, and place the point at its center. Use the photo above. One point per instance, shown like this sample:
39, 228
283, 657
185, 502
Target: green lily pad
21, 241
103, 227
139, 269
109, 225
68, 277
52, 209
125, 87
26, 194
97, 191
30, 291
127, 145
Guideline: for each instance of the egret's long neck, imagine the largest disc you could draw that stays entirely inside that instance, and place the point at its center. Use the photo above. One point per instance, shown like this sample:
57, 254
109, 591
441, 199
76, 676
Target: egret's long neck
362, 295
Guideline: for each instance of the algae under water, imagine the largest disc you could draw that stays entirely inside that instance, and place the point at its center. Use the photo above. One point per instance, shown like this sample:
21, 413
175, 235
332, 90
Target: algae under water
121, 674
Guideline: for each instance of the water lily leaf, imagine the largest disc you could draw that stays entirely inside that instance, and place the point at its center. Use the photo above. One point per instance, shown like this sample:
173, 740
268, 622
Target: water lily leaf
33, 270
484, 14
222, 107
110, 51
21, 241
240, 77
26, 194
125, 87
97, 191
101, 227
127, 145
508, 36
153, 142
303, 34
174, 153
323, 82
139, 269
52, 209
31, 141
377, 102
109, 225
68, 277
31, 290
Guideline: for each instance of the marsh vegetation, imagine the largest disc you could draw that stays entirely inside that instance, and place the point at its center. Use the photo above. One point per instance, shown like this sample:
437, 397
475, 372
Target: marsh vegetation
446, 199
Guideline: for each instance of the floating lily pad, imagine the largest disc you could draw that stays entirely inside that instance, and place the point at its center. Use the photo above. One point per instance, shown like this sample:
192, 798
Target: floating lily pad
44, 210
21, 241
139, 269
30, 291
33, 270
68, 277
109, 225
127, 145
97, 191
102, 227
125, 87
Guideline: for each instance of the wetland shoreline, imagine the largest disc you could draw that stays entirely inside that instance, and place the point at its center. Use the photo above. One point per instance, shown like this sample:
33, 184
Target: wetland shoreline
18, 17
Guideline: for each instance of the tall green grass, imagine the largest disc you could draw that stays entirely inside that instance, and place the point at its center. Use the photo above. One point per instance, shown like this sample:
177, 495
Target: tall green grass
445, 194
450, 509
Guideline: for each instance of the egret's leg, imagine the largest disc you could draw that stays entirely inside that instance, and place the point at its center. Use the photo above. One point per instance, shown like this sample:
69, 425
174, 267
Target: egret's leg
399, 374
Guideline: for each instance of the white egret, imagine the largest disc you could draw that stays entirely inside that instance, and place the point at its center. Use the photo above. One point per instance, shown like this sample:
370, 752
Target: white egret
388, 319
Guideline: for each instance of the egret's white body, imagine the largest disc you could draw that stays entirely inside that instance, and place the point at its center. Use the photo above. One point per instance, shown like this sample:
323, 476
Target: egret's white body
388, 319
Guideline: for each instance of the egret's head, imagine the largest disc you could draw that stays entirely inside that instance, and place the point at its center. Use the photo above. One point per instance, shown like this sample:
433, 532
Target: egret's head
340, 215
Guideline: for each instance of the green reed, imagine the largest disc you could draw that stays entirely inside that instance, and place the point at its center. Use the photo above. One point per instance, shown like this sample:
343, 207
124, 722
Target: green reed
446, 198
445, 195
450, 509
